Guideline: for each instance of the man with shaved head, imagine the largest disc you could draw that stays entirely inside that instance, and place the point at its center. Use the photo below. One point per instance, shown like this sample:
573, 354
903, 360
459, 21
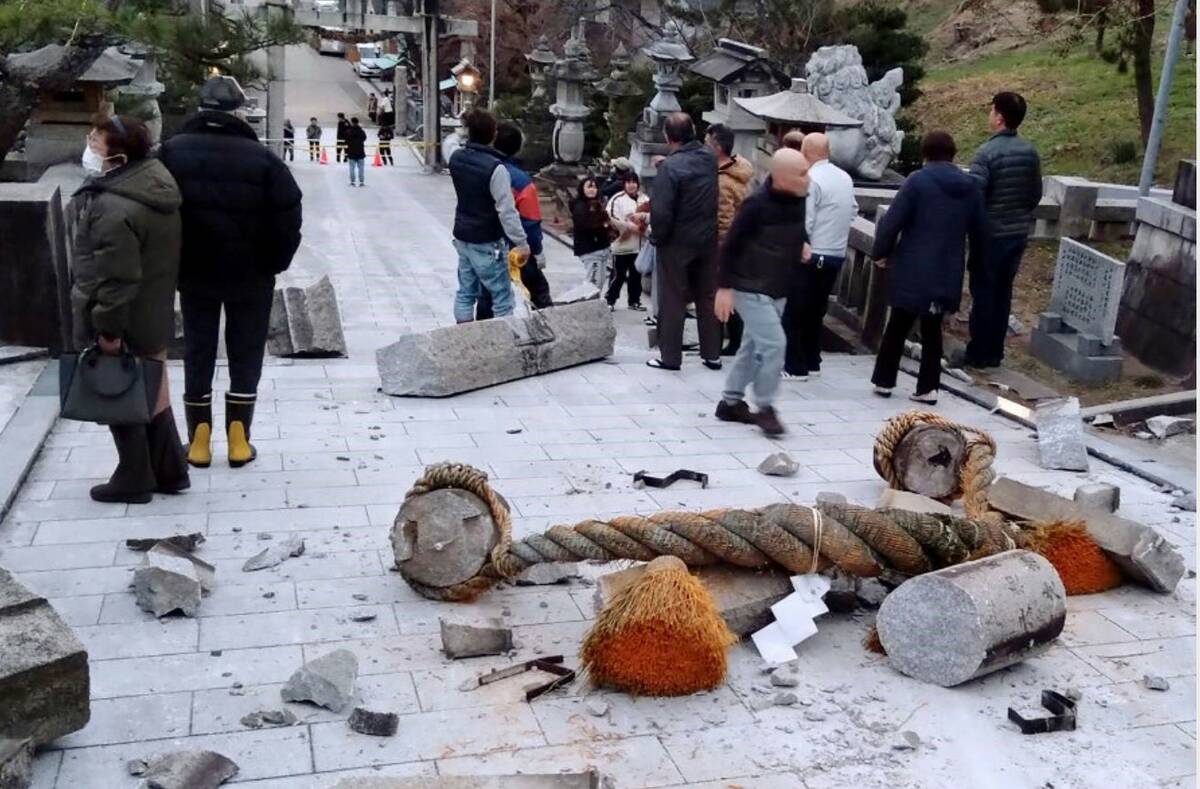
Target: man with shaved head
829, 209
760, 256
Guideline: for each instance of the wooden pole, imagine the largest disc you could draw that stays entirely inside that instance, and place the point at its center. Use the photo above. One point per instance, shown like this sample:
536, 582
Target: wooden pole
430, 101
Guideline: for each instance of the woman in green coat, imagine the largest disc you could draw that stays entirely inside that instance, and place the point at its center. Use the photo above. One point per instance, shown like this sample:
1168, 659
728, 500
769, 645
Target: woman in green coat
125, 263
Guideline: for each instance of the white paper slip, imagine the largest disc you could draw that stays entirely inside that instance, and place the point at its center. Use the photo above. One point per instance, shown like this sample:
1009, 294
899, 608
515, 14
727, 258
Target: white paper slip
773, 644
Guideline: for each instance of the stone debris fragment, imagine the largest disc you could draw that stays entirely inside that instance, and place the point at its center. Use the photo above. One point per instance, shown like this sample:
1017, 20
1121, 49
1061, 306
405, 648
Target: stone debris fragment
891, 498
186, 770
829, 497
907, 741
547, 573
871, 592
1186, 502
785, 699
368, 616
597, 708
1156, 683
261, 718
460, 640
306, 322
16, 763
961, 622
44, 678
275, 555
1099, 497
778, 464
171, 579
1166, 426
581, 292
327, 681
1060, 434
185, 542
376, 724
785, 677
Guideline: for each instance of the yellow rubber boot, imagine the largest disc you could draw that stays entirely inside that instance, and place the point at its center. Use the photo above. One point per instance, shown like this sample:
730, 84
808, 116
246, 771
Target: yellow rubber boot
200, 450
239, 412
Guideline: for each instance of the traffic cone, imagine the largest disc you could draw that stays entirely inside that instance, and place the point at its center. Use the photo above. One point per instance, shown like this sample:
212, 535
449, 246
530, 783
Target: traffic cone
378, 160
324, 155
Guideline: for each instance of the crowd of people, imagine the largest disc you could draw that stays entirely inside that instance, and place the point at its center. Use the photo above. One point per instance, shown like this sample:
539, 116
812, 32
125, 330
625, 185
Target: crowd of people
755, 267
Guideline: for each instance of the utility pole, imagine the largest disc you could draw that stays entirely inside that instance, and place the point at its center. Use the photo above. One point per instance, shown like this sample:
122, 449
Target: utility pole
431, 106
492, 61
1150, 160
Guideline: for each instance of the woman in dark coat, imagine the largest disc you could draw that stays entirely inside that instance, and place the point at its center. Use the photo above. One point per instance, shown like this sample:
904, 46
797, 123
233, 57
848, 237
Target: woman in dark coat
592, 232
125, 263
923, 239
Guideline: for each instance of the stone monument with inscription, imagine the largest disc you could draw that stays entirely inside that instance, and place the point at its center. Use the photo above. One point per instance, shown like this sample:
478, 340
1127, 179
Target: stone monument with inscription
1077, 334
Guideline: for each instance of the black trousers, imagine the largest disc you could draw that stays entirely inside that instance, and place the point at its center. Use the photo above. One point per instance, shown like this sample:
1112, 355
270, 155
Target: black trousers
733, 335
341, 149
385, 152
624, 273
247, 306
684, 274
314, 150
289, 150
805, 312
991, 299
534, 280
891, 348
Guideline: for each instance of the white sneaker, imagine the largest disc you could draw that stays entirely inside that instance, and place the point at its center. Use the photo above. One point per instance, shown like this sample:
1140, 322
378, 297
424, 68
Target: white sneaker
883, 391
929, 398
786, 376
814, 373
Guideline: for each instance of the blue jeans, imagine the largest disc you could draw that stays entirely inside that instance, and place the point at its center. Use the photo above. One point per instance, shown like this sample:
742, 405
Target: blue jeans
356, 164
482, 266
759, 360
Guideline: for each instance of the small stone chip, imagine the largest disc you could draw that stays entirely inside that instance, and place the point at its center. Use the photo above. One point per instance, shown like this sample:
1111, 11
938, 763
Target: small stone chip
907, 741
815, 716
781, 678
598, 708
363, 617
1156, 683
376, 724
785, 699
359, 597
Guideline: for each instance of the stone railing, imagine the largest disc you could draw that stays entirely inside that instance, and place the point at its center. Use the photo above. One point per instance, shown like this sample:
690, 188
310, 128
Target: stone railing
860, 294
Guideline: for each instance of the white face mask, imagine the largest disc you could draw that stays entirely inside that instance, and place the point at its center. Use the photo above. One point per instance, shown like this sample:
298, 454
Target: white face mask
92, 161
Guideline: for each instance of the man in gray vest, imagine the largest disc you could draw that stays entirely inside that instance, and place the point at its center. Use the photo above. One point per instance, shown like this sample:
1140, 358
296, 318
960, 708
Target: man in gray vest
485, 216
1010, 173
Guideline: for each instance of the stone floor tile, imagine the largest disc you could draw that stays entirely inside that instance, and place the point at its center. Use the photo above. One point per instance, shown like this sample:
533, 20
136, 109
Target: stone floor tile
633, 762
16, 535
584, 505
628, 449
193, 671
772, 781
36, 491
79, 611
224, 600
73, 583
219, 502
1149, 622
168, 636
66, 509
114, 529
1090, 627
344, 496
483, 456
339, 592
1129, 662
257, 480
552, 606
275, 521
133, 718
220, 711
679, 497
395, 654
332, 778
844, 472
440, 689
429, 735
46, 765
501, 470
722, 752
293, 627
1118, 707
699, 462
570, 720
532, 437
263, 753
58, 557
311, 566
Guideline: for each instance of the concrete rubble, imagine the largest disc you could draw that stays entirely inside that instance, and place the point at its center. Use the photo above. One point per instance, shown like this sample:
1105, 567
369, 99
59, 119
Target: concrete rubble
327, 681
306, 322
1101, 497
1185, 502
44, 679
184, 770
892, 498
165, 583
581, 292
961, 622
461, 640
453, 359
16, 763
185, 542
1162, 427
1156, 683
778, 464
375, 724
743, 597
1060, 434
265, 718
547, 574
275, 555
1142, 553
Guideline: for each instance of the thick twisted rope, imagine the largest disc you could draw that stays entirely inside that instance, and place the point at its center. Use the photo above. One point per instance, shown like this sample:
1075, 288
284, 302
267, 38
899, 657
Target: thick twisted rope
799, 539
976, 473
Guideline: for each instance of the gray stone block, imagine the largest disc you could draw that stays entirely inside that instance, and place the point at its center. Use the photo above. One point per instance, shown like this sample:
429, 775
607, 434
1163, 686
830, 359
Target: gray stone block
1101, 497
1140, 551
474, 355
461, 640
1060, 350
547, 574
1076, 198
186, 770
1060, 434
44, 679
1184, 193
376, 724
16, 764
306, 322
778, 464
35, 302
327, 681
165, 584
955, 624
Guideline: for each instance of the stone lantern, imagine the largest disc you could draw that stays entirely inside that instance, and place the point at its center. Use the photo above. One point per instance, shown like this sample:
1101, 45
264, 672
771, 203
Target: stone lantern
540, 60
571, 72
738, 71
145, 90
616, 86
669, 54
796, 108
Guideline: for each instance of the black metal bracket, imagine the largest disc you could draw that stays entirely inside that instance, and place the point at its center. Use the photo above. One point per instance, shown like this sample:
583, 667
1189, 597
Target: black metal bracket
642, 478
1063, 718
551, 665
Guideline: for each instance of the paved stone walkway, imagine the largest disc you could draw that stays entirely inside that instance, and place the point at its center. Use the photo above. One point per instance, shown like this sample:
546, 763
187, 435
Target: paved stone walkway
335, 458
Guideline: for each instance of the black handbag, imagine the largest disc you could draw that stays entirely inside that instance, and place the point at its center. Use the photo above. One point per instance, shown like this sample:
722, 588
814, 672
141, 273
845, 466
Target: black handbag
109, 389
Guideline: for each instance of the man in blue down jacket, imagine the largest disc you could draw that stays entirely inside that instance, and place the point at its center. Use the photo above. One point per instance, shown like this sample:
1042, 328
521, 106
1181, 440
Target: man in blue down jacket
1009, 171
922, 238
241, 227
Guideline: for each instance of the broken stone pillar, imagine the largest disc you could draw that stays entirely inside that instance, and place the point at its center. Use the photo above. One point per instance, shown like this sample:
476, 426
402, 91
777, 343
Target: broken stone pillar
743, 597
928, 460
1140, 551
306, 322
1076, 198
442, 538
44, 677
1060, 434
1101, 497
461, 640
327, 681
962, 622
474, 355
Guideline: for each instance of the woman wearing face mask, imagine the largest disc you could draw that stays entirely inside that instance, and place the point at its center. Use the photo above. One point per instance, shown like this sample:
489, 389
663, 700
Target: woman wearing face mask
125, 262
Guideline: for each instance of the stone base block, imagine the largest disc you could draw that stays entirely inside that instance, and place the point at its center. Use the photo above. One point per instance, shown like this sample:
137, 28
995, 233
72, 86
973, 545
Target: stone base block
44, 676
305, 322
455, 359
1081, 357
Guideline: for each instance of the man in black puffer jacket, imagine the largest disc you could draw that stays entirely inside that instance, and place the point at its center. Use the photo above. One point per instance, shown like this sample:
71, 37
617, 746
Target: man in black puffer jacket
1008, 169
241, 227
760, 256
